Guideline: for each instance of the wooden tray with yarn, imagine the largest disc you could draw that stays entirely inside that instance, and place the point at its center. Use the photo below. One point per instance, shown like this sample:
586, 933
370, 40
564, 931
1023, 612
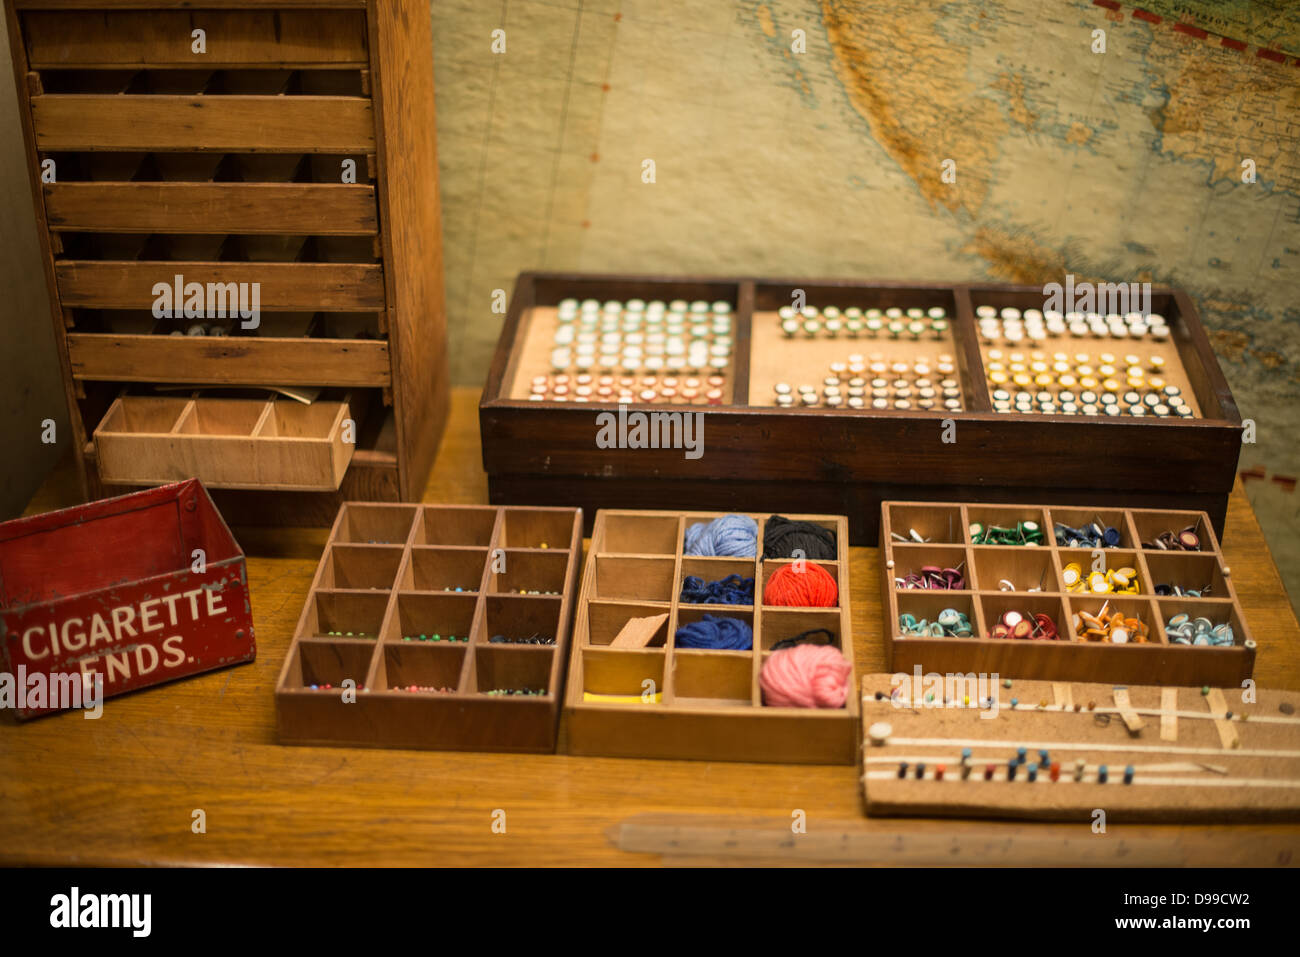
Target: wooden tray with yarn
710, 706
383, 583
1190, 761
946, 525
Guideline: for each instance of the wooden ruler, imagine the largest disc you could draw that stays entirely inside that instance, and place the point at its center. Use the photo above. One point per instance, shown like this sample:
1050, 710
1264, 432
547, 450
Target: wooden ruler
692, 838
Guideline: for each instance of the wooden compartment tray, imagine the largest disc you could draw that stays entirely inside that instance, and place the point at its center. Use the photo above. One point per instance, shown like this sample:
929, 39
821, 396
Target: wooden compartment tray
227, 443
710, 705
395, 576
946, 527
1211, 755
757, 455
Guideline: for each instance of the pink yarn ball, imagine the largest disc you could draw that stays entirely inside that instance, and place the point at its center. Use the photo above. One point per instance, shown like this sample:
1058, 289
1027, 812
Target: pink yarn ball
806, 676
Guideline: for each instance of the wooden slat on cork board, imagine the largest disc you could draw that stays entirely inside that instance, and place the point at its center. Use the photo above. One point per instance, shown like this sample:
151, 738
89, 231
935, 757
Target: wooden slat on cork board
1203, 774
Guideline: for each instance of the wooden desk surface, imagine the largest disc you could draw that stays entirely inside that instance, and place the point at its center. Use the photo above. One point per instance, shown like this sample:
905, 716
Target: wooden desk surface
124, 789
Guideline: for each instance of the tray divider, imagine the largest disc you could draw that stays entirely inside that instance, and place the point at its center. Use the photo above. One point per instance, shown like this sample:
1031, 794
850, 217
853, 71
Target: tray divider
264, 418
1144, 570
756, 652
674, 596
971, 362
190, 409
1133, 530
742, 336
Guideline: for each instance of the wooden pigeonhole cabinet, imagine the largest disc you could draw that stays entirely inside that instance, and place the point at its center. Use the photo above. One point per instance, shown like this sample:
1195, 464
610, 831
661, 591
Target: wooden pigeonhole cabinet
283, 152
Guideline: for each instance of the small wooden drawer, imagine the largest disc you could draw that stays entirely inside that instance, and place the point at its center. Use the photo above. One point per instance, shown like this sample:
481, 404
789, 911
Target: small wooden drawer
273, 39
228, 443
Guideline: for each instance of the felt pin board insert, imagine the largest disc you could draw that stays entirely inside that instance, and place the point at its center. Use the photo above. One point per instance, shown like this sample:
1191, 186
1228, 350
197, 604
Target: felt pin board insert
675, 702
383, 612
1194, 777
539, 321
775, 358
1183, 364
1024, 566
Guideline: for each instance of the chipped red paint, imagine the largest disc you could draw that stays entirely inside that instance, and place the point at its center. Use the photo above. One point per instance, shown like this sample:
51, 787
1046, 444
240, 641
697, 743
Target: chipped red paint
110, 588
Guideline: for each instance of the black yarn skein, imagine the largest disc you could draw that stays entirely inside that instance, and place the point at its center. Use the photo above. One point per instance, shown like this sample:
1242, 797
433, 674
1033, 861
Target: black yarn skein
782, 537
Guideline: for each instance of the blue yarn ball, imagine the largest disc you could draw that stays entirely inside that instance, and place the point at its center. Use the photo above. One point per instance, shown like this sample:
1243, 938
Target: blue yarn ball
732, 590
731, 535
720, 633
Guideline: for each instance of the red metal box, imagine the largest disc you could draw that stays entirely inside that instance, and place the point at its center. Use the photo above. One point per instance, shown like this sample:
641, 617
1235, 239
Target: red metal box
136, 590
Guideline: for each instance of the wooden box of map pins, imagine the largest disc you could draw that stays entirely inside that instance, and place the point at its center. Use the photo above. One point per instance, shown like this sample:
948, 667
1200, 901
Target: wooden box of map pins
1133, 595
131, 591
834, 395
1065, 749
434, 626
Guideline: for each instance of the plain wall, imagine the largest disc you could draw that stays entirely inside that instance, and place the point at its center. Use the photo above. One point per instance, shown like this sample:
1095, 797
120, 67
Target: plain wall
31, 389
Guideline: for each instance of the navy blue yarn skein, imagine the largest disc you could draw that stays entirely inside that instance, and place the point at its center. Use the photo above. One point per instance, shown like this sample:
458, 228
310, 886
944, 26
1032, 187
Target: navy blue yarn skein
730, 535
723, 633
732, 590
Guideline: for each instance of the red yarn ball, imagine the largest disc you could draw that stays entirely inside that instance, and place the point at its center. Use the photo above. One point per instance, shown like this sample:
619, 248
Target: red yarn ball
801, 585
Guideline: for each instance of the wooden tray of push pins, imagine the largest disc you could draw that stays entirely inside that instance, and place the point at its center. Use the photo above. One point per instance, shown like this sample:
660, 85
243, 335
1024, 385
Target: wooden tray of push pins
450, 622
966, 746
1080, 594
834, 395
703, 636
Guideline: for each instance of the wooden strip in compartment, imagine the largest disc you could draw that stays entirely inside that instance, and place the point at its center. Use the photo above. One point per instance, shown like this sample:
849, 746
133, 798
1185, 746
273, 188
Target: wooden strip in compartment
284, 124
230, 360
1169, 720
261, 38
323, 209
329, 287
721, 716
1218, 706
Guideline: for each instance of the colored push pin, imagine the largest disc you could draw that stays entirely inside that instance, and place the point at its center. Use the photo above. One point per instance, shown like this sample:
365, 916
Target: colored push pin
938, 772
1042, 759
1128, 774
1020, 755
988, 772
965, 763
1014, 702
1033, 773
920, 770
1011, 770
1078, 769
1056, 771
1101, 774
902, 769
